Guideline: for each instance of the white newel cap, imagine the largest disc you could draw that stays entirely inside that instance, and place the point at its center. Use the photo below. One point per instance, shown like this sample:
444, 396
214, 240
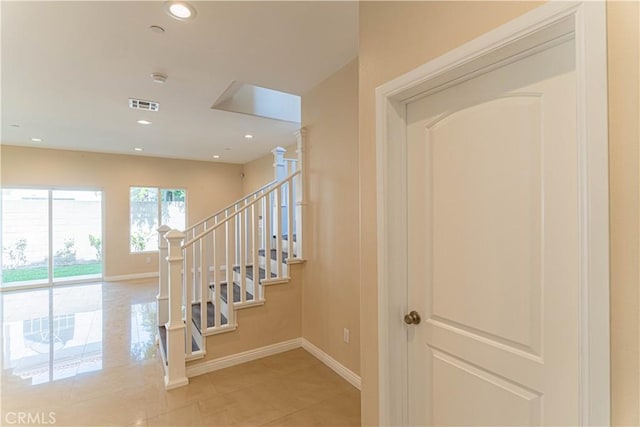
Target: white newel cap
278, 156
162, 243
174, 235
280, 168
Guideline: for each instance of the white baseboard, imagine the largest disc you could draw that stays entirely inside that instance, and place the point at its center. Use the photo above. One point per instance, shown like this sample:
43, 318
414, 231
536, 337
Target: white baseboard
258, 353
337, 367
137, 276
245, 356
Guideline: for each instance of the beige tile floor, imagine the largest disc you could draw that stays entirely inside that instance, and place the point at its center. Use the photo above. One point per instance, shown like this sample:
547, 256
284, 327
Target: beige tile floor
102, 368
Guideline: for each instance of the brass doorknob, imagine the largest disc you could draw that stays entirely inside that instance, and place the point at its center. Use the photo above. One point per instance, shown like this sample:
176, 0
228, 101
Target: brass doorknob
412, 318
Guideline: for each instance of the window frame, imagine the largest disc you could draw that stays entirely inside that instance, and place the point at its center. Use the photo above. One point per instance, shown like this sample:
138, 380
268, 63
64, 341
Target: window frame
159, 201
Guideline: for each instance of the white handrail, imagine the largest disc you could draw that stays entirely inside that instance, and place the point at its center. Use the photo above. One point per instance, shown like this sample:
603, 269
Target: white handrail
230, 206
243, 208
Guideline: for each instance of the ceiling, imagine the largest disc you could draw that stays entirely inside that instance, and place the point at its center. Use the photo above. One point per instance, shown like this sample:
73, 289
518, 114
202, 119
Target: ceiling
69, 68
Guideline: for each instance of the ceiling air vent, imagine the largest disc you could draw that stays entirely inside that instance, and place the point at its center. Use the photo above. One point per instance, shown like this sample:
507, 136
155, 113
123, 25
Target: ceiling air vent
139, 104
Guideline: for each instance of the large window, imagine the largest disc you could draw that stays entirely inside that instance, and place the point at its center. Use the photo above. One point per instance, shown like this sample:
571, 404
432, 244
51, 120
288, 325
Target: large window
50, 235
149, 208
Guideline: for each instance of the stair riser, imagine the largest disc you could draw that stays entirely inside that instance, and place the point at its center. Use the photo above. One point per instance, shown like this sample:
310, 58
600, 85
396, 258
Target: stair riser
274, 266
285, 245
224, 307
237, 305
249, 282
197, 337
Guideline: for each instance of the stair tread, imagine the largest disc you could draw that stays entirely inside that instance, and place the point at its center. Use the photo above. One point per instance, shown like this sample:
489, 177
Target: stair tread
262, 273
162, 332
274, 254
211, 318
236, 292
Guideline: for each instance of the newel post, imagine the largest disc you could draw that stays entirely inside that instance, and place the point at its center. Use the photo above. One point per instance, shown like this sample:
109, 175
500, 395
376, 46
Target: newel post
176, 369
163, 276
279, 165
280, 168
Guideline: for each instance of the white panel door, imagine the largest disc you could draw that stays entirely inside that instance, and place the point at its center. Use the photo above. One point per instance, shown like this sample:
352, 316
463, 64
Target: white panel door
493, 244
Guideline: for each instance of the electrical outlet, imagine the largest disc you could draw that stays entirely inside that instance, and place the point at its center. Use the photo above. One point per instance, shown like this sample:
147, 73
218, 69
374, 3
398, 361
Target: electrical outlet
345, 335
148, 260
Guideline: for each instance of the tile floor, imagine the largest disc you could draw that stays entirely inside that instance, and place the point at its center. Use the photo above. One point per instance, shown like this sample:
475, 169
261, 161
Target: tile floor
102, 368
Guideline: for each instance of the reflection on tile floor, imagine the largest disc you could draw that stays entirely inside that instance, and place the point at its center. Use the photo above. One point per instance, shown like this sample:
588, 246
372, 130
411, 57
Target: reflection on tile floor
51, 334
85, 355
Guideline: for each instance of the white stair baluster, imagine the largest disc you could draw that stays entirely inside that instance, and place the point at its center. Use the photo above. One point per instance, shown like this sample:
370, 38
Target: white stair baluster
188, 302
229, 271
277, 231
290, 235
243, 261
216, 280
194, 267
204, 285
254, 250
266, 224
247, 231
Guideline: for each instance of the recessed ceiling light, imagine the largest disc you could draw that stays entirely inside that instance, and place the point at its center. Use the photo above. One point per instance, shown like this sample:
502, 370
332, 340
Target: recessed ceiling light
157, 29
216, 157
138, 149
36, 139
144, 122
180, 10
159, 77
248, 136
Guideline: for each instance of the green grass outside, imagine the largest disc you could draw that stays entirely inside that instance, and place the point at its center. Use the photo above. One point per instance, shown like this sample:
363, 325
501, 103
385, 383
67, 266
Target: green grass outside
41, 273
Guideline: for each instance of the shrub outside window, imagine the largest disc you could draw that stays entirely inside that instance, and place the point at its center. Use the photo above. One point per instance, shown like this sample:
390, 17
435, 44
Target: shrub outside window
150, 207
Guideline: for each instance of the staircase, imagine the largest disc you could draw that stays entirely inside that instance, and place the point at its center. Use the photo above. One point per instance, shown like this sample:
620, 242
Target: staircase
223, 263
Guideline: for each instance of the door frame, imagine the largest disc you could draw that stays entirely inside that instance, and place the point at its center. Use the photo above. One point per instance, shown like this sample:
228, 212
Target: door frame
522, 36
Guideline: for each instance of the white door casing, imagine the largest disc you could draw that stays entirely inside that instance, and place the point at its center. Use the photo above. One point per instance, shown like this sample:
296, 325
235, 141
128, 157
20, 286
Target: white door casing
525, 36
